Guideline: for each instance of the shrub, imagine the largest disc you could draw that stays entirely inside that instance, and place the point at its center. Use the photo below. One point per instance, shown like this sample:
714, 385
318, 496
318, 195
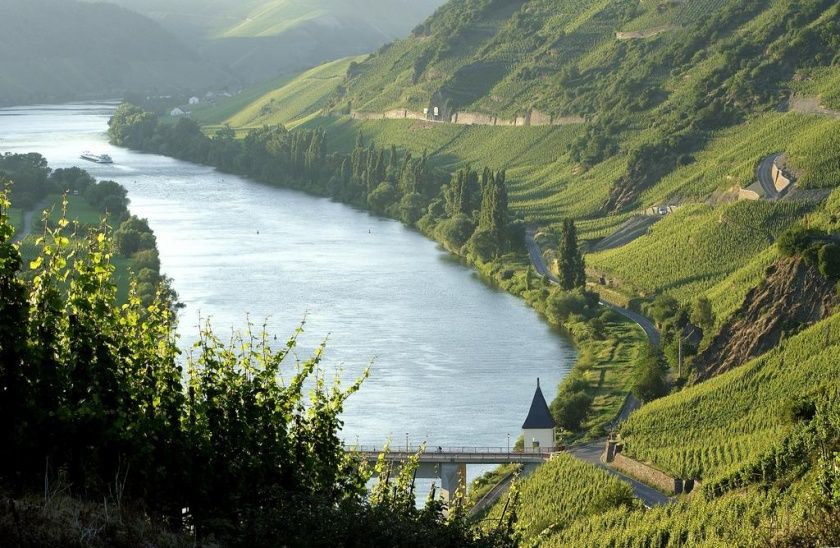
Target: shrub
649, 373
456, 231
571, 408
829, 261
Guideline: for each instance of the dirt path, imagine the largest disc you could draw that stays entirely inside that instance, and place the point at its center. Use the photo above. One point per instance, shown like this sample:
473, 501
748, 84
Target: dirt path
630, 230
647, 33
811, 105
26, 229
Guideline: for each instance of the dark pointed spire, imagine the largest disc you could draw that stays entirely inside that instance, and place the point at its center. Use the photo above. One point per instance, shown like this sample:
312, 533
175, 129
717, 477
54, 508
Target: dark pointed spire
539, 416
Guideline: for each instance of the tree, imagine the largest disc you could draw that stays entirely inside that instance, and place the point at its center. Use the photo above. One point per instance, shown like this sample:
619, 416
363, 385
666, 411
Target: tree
702, 314
649, 375
829, 261
572, 269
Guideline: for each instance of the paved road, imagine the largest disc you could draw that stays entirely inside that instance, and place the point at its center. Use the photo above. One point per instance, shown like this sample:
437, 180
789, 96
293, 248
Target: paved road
539, 265
591, 453
487, 500
630, 230
765, 177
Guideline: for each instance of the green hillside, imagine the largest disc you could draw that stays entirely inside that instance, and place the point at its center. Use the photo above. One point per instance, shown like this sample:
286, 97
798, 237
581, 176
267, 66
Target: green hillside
698, 246
728, 422
703, 116
54, 50
289, 102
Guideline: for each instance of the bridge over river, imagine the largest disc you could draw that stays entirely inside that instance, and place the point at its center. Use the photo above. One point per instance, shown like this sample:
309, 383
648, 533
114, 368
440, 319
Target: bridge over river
449, 464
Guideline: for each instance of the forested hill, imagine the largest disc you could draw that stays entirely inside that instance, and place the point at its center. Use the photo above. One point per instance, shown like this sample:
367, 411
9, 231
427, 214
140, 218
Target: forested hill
652, 78
53, 50
257, 39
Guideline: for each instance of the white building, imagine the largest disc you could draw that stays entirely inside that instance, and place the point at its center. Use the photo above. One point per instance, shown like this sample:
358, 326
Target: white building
178, 111
194, 100
539, 428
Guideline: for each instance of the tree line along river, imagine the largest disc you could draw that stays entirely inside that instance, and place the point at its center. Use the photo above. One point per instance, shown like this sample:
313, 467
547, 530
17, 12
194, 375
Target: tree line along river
455, 362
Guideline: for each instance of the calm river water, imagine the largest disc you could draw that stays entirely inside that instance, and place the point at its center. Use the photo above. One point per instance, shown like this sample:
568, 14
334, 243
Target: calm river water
455, 361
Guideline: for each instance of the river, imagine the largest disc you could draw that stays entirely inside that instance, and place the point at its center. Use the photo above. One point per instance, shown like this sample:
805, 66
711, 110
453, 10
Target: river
455, 362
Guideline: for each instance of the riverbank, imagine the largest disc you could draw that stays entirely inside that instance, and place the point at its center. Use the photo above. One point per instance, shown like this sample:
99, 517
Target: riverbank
607, 343
72, 205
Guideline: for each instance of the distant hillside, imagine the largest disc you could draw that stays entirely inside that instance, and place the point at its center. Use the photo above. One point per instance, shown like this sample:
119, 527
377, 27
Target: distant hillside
672, 103
53, 50
290, 101
259, 39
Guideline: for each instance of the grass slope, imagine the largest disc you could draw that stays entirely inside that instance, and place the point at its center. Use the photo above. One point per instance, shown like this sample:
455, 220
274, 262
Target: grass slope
83, 217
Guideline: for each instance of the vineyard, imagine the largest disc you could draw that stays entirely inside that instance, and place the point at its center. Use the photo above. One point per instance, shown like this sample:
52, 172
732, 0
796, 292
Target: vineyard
743, 519
823, 83
675, 13
730, 158
815, 156
697, 247
560, 492
216, 114
728, 294
724, 423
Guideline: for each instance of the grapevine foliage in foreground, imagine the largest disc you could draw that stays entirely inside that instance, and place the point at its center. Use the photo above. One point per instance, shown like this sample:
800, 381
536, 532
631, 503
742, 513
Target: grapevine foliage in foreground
93, 399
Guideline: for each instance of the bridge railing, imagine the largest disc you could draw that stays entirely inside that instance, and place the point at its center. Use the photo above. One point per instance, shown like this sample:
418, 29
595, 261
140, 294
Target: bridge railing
460, 450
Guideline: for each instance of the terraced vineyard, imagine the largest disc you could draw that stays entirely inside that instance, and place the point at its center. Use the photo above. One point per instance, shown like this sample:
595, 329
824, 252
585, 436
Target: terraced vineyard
728, 294
815, 155
697, 247
750, 518
730, 159
823, 83
293, 102
561, 491
724, 423
656, 14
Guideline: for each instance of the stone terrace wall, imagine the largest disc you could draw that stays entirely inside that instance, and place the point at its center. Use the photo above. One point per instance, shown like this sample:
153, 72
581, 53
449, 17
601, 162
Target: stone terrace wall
780, 180
646, 474
532, 118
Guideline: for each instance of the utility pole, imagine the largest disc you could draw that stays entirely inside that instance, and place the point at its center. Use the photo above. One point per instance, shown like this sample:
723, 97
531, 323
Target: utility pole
679, 358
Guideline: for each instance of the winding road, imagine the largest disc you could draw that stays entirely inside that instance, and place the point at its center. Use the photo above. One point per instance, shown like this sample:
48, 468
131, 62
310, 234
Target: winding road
591, 453
765, 177
541, 268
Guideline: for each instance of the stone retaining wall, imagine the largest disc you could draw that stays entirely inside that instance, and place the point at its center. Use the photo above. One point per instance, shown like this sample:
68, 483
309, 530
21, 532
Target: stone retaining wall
532, 118
780, 180
645, 473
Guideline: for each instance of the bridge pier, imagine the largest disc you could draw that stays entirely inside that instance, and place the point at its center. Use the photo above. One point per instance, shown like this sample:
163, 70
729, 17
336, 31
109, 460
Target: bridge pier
453, 476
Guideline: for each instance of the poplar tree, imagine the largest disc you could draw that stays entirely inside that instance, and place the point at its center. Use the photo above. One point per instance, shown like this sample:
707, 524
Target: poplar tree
570, 261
